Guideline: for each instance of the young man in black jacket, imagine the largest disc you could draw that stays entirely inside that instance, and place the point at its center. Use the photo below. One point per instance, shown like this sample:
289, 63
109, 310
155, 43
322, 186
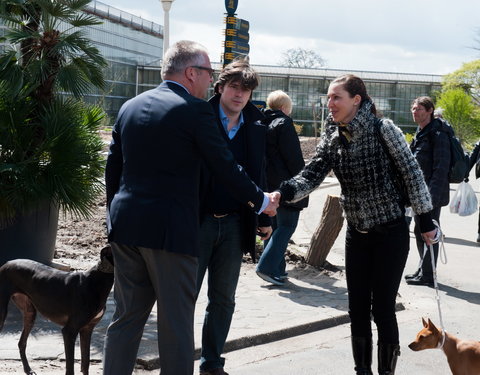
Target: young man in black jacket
228, 227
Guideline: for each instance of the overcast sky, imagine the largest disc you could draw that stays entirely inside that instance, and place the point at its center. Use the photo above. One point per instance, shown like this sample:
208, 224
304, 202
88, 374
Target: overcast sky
413, 36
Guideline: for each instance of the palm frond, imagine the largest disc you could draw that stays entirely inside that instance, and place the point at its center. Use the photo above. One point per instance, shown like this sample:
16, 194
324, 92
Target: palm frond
77, 4
16, 36
72, 79
81, 20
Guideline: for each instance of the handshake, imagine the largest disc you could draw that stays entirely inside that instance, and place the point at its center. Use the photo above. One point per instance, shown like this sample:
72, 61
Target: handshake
271, 209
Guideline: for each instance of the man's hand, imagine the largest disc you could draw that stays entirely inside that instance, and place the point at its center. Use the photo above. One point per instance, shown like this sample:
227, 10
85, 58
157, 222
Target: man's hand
264, 233
271, 209
276, 195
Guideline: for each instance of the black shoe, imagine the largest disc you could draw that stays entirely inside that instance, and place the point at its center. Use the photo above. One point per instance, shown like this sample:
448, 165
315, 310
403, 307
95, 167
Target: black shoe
420, 280
412, 275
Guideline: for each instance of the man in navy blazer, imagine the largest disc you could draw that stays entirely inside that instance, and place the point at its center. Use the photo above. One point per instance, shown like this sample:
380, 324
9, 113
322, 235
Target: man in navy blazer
159, 140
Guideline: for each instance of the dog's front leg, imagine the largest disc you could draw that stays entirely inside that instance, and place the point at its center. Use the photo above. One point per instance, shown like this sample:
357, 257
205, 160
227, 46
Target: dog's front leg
29, 314
85, 339
69, 337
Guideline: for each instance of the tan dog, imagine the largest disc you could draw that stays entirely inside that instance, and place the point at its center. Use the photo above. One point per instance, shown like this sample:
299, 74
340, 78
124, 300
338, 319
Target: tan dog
463, 356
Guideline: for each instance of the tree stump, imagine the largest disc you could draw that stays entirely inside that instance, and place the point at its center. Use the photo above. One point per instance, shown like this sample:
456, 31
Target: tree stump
326, 233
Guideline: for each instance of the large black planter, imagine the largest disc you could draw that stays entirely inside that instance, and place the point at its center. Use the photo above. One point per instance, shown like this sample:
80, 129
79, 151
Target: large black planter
31, 236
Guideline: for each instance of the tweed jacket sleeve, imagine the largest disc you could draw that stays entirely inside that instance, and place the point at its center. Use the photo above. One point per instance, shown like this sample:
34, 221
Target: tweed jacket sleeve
311, 176
408, 167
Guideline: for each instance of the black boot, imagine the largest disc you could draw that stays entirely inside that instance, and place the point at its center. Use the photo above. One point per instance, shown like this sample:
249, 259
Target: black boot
387, 358
362, 355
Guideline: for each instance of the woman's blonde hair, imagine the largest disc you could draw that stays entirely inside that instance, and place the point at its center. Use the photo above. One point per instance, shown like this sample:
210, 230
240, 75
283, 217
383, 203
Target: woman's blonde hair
278, 99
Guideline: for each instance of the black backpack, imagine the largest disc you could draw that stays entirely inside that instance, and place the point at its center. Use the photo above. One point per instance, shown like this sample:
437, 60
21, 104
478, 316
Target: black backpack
459, 160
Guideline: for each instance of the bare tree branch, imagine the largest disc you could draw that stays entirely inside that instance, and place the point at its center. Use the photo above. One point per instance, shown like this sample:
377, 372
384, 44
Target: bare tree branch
302, 58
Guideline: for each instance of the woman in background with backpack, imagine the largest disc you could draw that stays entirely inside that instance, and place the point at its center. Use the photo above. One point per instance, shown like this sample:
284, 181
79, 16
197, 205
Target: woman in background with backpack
431, 148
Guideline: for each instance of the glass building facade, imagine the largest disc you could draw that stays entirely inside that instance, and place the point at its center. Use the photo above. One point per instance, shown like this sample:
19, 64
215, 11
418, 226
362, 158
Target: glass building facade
133, 48
126, 41
391, 92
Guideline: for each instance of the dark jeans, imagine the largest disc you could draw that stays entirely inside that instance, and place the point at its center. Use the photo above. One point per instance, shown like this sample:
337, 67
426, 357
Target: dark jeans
374, 267
272, 261
221, 254
426, 267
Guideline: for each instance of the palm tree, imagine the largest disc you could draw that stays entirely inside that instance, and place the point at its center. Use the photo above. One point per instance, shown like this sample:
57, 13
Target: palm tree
50, 149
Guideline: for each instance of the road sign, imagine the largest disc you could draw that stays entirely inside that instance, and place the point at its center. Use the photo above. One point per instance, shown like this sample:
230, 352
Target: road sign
238, 35
231, 6
237, 24
237, 47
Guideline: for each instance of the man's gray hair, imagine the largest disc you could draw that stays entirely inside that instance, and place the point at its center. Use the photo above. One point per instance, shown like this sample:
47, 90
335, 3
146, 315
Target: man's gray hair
181, 55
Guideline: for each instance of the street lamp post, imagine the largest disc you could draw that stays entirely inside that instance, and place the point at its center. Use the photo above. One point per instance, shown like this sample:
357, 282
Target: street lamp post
167, 4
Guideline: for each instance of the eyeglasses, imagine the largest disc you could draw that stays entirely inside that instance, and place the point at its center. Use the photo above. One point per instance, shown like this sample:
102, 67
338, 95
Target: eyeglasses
209, 70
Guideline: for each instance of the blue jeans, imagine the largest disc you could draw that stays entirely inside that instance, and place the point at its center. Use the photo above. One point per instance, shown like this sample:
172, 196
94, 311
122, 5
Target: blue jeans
221, 254
272, 261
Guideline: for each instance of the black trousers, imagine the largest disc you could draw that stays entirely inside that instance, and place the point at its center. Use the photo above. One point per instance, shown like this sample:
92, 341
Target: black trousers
426, 266
374, 265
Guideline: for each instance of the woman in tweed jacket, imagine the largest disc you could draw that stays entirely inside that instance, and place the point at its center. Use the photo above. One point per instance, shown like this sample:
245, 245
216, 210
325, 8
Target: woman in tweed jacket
377, 240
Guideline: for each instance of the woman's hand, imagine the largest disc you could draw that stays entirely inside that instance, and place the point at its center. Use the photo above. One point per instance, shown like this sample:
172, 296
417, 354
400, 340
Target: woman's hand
430, 237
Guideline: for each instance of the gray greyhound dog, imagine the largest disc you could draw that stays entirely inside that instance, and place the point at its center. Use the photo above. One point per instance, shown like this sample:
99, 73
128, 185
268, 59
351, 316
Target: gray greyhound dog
74, 300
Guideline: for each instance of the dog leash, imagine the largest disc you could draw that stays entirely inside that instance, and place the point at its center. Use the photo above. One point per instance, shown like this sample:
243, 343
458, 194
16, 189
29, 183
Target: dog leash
439, 238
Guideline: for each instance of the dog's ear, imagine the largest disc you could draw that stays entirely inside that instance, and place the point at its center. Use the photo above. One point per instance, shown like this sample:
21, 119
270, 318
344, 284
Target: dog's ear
106, 252
425, 324
431, 326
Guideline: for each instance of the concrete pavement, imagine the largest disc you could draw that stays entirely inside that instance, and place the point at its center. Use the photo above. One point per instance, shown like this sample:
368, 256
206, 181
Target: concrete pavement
310, 300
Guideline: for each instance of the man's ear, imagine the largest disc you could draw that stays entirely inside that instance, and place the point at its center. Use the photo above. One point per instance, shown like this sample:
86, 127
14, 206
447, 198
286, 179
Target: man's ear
189, 74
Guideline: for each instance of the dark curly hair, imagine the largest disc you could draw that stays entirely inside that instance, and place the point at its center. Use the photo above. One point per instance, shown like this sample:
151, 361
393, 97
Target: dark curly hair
238, 71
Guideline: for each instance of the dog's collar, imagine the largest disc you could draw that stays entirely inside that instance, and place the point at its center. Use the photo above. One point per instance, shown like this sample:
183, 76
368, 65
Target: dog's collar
442, 343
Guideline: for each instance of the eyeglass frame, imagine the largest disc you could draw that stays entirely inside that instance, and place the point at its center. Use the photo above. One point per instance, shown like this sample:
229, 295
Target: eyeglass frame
209, 70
